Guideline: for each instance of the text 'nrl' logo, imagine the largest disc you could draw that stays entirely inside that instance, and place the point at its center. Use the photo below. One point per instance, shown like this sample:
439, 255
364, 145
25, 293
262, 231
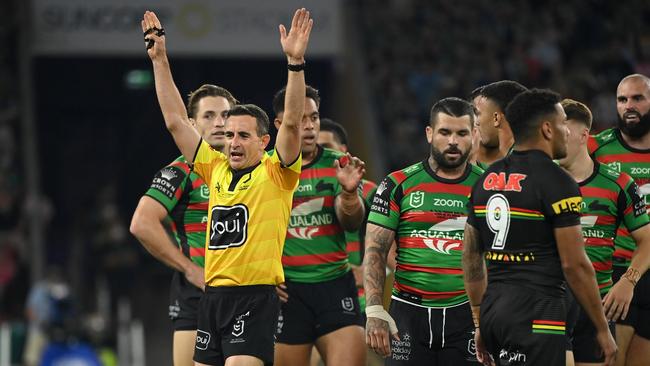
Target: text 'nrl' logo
445, 246
306, 208
168, 174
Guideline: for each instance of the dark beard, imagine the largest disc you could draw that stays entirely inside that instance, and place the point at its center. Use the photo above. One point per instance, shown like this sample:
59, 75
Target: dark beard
439, 158
635, 130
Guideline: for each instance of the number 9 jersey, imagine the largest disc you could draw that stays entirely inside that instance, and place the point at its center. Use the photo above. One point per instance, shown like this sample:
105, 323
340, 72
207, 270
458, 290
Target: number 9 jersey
516, 205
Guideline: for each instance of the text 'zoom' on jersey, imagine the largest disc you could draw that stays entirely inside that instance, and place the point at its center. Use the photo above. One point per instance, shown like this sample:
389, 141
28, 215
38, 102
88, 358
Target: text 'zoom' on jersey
428, 215
249, 211
314, 250
609, 148
515, 206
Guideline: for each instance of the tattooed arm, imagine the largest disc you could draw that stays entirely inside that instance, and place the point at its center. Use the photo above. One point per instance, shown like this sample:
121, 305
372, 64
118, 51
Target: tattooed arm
474, 275
474, 272
378, 243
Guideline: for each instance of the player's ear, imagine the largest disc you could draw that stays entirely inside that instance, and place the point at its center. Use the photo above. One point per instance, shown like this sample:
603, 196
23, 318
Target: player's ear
265, 140
344, 148
496, 119
277, 122
547, 130
429, 131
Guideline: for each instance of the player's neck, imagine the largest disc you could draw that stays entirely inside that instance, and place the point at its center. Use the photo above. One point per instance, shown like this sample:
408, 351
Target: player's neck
535, 145
641, 143
446, 173
309, 157
581, 167
488, 155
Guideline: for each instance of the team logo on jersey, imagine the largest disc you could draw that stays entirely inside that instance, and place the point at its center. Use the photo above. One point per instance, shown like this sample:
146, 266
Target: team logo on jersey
229, 226
499, 182
205, 192
615, 166
567, 205
321, 186
202, 339
595, 205
416, 199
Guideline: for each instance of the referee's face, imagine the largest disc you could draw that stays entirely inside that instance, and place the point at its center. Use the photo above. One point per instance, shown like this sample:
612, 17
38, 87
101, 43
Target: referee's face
244, 148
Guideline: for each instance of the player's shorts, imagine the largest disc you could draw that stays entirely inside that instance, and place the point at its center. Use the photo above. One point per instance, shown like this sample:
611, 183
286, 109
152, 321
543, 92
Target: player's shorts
437, 337
638, 315
183, 303
581, 334
238, 320
316, 309
522, 326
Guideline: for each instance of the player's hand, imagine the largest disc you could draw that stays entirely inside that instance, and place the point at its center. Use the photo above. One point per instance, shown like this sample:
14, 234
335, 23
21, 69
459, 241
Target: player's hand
608, 345
617, 301
357, 272
377, 336
196, 276
295, 43
482, 355
158, 51
281, 290
349, 171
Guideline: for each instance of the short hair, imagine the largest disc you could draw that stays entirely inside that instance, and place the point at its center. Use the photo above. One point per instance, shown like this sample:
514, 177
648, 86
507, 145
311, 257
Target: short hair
528, 109
278, 98
254, 111
207, 90
577, 111
454, 107
502, 92
339, 132
475, 93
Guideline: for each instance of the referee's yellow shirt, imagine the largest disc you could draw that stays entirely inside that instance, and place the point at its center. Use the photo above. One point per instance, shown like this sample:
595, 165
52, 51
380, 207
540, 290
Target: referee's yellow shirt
247, 218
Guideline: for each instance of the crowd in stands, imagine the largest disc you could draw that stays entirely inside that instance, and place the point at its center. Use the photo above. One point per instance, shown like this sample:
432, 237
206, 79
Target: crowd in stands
418, 51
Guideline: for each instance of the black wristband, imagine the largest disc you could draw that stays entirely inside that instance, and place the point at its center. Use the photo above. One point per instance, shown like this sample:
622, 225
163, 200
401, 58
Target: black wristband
296, 68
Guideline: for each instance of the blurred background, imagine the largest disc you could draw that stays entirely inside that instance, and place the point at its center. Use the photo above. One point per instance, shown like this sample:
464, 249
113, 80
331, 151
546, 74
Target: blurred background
81, 133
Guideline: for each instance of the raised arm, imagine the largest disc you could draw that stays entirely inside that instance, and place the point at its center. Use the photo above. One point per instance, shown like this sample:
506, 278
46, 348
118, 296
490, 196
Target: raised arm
171, 103
294, 45
348, 205
146, 225
379, 324
580, 275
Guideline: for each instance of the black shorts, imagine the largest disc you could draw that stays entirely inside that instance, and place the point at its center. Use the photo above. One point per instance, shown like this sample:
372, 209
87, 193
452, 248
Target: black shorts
428, 336
315, 309
236, 320
183, 303
581, 334
638, 315
521, 326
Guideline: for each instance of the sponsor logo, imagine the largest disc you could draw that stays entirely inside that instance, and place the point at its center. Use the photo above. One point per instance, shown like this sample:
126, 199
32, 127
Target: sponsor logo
448, 202
471, 344
499, 182
202, 339
587, 223
304, 188
639, 196
382, 187
401, 350
416, 199
450, 229
639, 171
168, 174
566, 205
381, 200
229, 226
442, 245
218, 187
167, 181
508, 357
347, 304
645, 192
305, 218
280, 323
174, 309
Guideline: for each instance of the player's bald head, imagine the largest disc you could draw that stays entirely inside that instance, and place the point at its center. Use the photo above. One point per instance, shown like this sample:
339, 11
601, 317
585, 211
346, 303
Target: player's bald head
636, 78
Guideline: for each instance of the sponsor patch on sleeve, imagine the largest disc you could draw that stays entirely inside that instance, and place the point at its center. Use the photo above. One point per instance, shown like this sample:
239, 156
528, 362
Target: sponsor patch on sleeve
568, 205
168, 180
381, 200
638, 202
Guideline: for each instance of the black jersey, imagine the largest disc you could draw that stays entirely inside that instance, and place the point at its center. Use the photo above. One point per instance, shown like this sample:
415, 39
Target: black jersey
515, 206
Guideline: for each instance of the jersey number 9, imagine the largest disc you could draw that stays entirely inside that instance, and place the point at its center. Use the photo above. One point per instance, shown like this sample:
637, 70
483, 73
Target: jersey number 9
498, 219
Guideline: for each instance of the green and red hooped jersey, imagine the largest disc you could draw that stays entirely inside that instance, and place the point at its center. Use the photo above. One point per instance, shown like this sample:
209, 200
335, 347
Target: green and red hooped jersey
185, 197
609, 199
314, 250
428, 215
608, 147
354, 239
